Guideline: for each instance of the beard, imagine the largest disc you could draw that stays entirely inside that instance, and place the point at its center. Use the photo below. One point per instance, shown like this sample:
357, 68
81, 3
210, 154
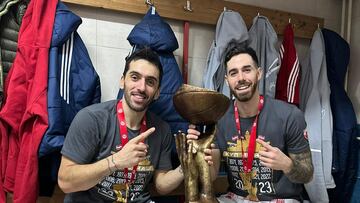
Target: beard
244, 97
135, 107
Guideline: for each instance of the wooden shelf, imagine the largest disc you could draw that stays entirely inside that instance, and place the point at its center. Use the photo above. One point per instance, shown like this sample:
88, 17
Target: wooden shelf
208, 12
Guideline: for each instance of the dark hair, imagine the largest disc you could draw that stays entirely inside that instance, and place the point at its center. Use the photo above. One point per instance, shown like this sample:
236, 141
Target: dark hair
235, 47
146, 54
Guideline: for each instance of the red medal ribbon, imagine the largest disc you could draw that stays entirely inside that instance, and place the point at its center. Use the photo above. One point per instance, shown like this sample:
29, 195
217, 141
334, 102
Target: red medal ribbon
247, 163
124, 137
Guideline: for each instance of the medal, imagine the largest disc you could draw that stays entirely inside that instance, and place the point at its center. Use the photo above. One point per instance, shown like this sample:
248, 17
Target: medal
251, 145
247, 163
248, 186
120, 196
246, 179
124, 139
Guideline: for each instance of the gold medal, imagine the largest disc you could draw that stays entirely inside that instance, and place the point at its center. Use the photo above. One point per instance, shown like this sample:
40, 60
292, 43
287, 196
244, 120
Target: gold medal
246, 179
119, 190
248, 185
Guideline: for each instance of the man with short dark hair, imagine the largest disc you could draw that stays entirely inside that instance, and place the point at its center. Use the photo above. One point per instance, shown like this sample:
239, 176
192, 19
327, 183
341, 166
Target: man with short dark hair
262, 140
114, 148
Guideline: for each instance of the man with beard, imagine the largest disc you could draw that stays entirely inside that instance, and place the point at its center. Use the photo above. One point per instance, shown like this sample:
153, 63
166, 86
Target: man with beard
114, 148
263, 141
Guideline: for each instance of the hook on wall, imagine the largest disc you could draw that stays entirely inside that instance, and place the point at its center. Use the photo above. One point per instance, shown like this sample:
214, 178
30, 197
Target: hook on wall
188, 6
149, 3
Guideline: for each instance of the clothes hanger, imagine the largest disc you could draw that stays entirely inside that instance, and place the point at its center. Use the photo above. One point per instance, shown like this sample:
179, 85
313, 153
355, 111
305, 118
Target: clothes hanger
149, 3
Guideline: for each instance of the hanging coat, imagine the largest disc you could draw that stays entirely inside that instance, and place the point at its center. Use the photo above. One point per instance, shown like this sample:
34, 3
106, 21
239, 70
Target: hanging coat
11, 14
73, 84
230, 25
288, 79
319, 121
9, 29
155, 33
73, 81
10, 20
344, 167
263, 39
24, 118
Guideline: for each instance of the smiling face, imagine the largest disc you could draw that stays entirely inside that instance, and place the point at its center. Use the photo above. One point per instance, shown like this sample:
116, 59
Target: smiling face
242, 75
140, 84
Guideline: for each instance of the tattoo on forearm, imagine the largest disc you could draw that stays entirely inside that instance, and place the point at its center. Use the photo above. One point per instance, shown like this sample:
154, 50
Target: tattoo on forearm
302, 170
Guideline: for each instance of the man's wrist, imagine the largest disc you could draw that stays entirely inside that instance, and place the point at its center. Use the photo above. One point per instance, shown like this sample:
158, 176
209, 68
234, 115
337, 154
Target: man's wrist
109, 165
289, 166
114, 166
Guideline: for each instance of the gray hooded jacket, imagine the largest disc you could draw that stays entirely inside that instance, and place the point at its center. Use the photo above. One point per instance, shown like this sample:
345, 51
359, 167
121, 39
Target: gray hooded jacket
230, 26
263, 39
319, 118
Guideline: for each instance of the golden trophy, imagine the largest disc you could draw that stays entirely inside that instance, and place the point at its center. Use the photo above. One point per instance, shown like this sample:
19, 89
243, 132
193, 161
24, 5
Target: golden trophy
202, 107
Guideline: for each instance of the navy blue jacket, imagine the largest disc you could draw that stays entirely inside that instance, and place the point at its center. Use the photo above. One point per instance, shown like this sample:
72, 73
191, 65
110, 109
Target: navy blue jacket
344, 167
73, 84
155, 33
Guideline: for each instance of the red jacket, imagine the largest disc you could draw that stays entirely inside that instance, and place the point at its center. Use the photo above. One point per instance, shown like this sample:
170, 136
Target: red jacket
23, 118
288, 79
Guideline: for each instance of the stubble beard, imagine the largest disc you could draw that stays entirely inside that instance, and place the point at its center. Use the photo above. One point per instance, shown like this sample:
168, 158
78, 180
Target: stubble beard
137, 108
248, 96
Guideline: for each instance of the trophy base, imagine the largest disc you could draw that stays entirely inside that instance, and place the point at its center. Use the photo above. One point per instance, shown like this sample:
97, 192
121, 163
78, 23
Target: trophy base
206, 199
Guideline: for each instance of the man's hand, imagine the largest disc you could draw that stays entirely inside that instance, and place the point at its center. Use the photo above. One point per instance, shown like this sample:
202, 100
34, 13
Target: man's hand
274, 158
297, 167
209, 154
133, 152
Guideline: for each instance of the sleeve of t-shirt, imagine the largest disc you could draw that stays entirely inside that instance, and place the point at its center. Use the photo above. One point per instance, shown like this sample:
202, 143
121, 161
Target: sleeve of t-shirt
295, 131
219, 137
81, 140
225, 128
165, 153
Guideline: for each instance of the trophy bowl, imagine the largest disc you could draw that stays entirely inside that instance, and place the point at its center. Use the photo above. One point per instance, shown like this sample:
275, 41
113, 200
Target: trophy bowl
200, 106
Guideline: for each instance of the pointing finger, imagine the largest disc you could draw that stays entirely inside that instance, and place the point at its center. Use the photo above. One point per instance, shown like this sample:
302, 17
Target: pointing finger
143, 136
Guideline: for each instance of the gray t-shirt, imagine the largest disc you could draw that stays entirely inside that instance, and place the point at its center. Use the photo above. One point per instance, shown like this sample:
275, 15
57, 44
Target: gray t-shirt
281, 124
94, 135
